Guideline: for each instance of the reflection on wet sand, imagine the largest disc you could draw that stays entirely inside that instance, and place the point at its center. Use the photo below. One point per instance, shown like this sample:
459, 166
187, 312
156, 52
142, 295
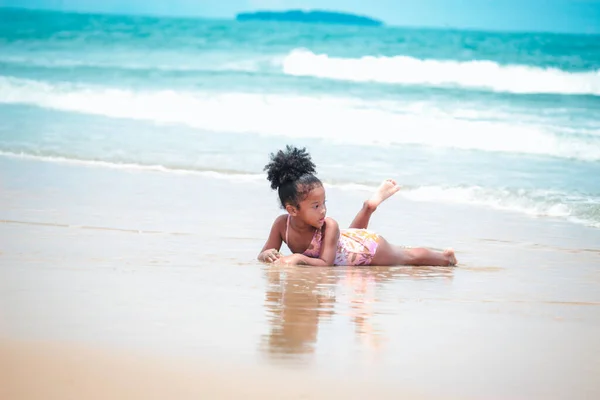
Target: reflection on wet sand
298, 299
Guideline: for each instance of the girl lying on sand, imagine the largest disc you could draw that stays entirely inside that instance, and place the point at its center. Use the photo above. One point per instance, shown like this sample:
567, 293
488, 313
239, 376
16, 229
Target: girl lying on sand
316, 239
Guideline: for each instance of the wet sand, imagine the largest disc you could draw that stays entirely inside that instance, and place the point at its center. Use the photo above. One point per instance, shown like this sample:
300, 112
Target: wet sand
39, 370
145, 283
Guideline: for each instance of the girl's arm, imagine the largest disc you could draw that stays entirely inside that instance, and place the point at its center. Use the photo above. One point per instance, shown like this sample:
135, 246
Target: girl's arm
271, 248
329, 247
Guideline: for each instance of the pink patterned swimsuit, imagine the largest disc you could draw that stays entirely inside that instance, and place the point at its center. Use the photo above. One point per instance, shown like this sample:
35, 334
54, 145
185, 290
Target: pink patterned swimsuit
354, 247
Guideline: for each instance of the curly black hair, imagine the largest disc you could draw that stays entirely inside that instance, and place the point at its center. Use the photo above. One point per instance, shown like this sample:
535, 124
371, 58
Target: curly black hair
292, 173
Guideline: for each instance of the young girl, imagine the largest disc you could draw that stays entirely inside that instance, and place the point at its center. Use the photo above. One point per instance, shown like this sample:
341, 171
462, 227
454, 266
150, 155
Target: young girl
316, 239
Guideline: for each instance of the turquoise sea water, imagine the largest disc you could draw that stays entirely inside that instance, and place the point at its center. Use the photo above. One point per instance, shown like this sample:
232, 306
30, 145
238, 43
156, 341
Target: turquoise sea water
502, 120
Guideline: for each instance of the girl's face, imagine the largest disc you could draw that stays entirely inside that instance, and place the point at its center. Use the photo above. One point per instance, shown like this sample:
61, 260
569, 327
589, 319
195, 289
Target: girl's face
312, 210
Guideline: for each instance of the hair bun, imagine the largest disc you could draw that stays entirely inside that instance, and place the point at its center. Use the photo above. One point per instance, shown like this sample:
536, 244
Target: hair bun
288, 165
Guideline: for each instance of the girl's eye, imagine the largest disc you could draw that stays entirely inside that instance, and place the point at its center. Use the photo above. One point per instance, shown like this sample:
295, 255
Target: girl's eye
319, 205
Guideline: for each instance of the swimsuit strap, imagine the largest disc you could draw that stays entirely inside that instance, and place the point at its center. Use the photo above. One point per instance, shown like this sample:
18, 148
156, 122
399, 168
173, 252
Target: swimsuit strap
287, 228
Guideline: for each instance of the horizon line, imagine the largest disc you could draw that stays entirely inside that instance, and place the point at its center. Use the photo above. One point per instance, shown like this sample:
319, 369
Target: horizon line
232, 19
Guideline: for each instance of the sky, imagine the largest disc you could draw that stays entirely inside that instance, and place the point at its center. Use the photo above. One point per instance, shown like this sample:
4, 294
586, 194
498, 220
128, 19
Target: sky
572, 16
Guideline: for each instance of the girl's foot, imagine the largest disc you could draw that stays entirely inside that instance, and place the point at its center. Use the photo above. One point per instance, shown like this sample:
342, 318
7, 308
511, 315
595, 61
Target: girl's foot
449, 253
388, 188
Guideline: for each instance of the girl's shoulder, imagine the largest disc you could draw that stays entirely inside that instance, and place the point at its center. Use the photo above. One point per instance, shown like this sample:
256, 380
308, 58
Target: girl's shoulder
331, 223
282, 219
281, 223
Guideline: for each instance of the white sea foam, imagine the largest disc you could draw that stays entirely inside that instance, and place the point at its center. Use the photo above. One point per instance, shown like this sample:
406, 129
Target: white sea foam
402, 70
536, 203
477, 74
130, 166
336, 119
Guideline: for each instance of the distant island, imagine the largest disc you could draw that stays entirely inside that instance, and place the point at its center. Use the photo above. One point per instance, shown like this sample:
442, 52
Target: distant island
327, 17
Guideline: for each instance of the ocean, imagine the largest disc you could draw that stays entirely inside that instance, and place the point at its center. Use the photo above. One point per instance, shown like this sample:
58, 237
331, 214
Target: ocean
509, 121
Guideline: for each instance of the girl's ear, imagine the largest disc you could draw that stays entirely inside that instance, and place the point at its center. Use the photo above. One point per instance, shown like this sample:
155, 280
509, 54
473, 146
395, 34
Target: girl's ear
293, 211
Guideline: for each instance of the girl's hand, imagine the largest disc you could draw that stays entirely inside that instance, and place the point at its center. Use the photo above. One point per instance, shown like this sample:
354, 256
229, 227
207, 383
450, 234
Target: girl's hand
293, 259
269, 256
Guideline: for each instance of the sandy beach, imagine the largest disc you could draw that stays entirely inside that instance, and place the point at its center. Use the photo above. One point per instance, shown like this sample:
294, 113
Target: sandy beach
134, 284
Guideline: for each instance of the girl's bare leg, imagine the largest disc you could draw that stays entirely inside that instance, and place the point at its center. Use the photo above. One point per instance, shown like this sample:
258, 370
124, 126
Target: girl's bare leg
388, 254
388, 188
